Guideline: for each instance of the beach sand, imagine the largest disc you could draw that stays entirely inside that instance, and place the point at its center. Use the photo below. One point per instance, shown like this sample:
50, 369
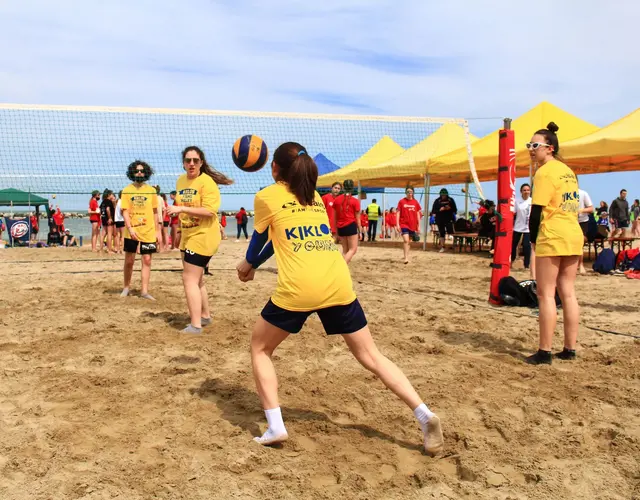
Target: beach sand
101, 397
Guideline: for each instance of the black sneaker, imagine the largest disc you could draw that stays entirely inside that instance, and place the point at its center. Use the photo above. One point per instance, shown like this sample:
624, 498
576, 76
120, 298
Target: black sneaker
539, 358
566, 354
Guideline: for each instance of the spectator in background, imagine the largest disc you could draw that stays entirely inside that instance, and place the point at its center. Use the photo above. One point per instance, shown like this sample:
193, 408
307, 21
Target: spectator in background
444, 208
488, 223
585, 209
373, 213
119, 224
50, 219
392, 229
58, 218
164, 225
34, 226
408, 220
69, 240
53, 238
328, 200
635, 212
602, 209
364, 225
223, 225
619, 213
175, 224
241, 220
94, 218
160, 221
521, 226
107, 213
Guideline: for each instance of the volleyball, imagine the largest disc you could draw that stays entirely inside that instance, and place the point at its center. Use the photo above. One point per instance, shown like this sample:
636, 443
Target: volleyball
250, 153
464, 190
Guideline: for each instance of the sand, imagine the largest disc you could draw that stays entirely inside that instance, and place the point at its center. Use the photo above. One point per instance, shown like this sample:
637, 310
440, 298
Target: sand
101, 397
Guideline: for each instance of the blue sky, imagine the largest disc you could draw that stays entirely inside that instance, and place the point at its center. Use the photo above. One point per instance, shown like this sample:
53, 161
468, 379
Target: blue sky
419, 58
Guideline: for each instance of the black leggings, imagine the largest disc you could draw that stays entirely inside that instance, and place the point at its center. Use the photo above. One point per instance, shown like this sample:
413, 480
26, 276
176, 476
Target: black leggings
526, 247
243, 228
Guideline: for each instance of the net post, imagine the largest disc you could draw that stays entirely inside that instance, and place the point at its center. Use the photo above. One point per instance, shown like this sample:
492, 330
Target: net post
466, 200
505, 209
427, 186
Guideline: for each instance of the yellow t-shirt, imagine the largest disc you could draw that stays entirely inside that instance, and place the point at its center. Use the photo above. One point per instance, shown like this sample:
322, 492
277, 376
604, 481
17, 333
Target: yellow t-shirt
140, 202
555, 187
199, 234
311, 271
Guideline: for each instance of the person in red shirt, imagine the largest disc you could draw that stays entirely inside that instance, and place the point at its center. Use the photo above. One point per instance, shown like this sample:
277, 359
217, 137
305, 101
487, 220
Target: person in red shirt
58, 218
364, 224
223, 225
408, 220
346, 210
328, 200
34, 226
241, 220
94, 218
174, 224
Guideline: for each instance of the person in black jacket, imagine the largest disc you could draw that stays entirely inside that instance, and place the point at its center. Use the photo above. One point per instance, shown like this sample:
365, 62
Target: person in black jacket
619, 211
444, 209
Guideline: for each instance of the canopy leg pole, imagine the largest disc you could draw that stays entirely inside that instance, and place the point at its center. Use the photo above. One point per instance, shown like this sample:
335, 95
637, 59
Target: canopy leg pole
384, 219
466, 200
427, 186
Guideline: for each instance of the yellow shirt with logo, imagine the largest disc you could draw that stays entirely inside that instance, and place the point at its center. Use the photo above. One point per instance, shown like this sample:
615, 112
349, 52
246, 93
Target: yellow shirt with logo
199, 234
312, 274
555, 187
140, 202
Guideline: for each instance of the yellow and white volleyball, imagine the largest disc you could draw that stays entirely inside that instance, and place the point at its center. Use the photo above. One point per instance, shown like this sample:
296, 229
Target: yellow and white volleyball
464, 190
53, 196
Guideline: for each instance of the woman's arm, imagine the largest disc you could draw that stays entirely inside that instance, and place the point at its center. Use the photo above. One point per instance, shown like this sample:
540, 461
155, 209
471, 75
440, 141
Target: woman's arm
534, 222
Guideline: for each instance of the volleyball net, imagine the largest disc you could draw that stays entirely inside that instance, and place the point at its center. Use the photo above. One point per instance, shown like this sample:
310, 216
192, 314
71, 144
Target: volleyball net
67, 152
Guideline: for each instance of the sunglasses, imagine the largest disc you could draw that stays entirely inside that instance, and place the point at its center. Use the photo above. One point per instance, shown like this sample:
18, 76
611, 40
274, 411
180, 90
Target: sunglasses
536, 145
195, 161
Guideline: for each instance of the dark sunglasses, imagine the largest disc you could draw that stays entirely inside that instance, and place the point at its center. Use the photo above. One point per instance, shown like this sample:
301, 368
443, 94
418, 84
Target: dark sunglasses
195, 161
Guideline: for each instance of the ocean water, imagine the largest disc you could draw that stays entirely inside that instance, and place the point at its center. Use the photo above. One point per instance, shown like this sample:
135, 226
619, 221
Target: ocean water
82, 228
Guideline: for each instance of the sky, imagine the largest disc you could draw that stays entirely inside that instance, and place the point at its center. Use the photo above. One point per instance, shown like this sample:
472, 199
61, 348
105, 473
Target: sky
479, 60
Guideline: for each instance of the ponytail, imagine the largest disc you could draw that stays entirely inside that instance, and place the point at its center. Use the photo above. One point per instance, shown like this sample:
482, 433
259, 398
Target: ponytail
298, 170
218, 177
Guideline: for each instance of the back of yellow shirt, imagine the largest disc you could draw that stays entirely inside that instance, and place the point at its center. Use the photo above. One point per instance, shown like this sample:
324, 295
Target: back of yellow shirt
312, 274
199, 234
555, 187
140, 203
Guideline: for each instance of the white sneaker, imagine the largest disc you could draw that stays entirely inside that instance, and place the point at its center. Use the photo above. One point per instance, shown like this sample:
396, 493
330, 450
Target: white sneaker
441, 250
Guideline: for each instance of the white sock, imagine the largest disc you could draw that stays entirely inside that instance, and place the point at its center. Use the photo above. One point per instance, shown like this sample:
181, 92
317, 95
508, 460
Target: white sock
423, 414
274, 419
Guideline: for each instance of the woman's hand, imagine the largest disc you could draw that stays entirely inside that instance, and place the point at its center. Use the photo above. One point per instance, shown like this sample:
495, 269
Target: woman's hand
245, 270
174, 209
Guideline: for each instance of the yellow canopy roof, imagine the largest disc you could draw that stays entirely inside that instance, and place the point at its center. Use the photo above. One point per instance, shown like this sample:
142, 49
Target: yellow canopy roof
614, 148
409, 167
381, 151
453, 168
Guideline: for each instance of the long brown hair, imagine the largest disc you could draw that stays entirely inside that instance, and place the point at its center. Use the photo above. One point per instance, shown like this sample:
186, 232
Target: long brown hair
298, 170
205, 168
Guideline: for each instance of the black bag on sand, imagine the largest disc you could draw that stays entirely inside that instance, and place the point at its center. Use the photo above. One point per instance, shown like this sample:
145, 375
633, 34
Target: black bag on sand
523, 294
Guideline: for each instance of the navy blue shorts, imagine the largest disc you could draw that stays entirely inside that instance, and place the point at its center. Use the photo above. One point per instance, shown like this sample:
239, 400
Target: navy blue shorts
350, 230
337, 320
411, 233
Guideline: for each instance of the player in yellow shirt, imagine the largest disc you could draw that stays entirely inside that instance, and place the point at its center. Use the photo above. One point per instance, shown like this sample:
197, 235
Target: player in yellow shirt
140, 213
558, 240
312, 277
197, 203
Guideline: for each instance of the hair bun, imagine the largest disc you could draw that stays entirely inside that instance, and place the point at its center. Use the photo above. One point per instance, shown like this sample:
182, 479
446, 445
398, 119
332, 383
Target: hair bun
552, 127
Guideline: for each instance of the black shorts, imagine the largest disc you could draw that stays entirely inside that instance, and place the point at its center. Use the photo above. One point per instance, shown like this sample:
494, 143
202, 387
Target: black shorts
165, 223
585, 227
105, 222
350, 230
195, 259
119, 223
131, 246
622, 224
445, 228
337, 320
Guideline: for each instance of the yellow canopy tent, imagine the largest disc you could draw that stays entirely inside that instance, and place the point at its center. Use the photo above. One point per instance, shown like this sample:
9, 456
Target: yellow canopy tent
453, 168
614, 148
381, 151
410, 166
